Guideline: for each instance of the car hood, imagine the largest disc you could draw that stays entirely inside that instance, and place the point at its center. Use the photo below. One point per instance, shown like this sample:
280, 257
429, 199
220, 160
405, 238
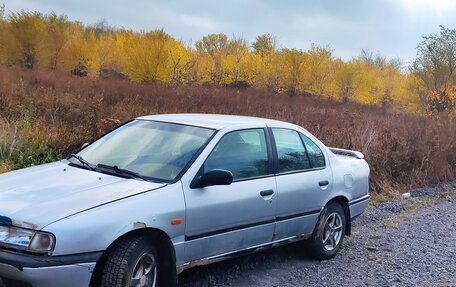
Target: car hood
37, 196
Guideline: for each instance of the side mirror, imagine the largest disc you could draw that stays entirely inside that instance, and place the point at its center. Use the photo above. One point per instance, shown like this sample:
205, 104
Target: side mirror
213, 177
84, 145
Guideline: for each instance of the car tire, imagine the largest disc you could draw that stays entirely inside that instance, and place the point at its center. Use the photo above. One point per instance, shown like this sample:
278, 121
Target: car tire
329, 232
132, 262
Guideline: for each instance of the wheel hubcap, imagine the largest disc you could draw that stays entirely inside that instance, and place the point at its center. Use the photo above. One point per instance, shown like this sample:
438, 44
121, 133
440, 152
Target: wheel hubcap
332, 232
145, 272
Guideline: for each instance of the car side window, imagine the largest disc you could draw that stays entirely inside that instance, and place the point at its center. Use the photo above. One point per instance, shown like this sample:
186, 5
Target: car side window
243, 152
317, 159
291, 153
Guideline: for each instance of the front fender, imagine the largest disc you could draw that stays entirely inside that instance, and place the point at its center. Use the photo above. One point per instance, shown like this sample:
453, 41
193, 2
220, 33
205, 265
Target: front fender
95, 229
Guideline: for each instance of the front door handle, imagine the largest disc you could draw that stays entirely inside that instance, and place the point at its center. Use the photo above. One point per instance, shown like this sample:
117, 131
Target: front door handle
267, 192
323, 183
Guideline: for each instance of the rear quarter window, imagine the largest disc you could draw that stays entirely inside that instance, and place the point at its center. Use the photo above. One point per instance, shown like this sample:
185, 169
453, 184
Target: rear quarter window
291, 153
316, 156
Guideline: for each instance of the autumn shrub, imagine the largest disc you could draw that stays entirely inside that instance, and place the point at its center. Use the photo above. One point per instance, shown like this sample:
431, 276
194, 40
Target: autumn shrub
49, 114
25, 144
37, 145
8, 140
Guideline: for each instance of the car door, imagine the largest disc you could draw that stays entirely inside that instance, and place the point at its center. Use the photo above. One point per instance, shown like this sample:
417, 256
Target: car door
223, 219
303, 180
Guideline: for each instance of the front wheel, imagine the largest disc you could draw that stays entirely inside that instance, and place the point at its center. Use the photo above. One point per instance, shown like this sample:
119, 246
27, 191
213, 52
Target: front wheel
328, 235
132, 263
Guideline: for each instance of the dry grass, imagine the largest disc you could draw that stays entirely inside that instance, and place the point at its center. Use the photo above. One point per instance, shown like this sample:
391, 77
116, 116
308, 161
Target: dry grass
54, 113
8, 139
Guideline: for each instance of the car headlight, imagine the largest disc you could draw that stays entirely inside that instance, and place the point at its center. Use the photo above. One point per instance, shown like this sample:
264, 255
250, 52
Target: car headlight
26, 240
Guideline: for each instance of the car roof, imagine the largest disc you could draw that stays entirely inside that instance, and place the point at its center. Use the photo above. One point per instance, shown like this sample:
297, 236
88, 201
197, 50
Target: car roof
214, 121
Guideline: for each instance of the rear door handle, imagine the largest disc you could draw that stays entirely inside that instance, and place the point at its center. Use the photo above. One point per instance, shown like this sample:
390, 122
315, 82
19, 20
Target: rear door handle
267, 192
323, 183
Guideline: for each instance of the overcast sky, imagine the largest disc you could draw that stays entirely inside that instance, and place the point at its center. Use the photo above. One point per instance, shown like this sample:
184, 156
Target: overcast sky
392, 27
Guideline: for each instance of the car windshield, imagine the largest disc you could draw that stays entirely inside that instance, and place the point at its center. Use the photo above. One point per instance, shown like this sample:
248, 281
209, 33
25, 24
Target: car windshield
148, 149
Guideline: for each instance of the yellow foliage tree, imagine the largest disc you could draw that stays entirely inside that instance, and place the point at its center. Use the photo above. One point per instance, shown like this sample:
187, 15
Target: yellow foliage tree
181, 61
57, 34
24, 37
346, 80
215, 47
77, 53
292, 71
145, 56
319, 71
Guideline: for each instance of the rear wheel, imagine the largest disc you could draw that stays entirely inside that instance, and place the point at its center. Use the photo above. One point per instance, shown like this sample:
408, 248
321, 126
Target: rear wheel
329, 233
132, 263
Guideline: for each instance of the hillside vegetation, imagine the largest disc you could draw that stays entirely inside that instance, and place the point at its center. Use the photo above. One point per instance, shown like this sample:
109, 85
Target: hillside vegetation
45, 114
63, 83
34, 40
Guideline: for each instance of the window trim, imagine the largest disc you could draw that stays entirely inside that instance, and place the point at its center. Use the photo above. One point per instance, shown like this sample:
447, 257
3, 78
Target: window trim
276, 155
269, 154
274, 151
299, 171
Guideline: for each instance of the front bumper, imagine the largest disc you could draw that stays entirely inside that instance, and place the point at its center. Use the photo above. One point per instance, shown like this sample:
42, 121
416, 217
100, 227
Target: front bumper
49, 271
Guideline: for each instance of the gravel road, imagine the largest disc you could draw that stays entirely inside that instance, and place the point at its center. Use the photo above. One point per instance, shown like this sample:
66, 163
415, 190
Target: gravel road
407, 242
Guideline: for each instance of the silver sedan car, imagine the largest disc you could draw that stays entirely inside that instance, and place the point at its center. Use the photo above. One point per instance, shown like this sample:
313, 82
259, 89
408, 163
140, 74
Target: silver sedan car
163, 193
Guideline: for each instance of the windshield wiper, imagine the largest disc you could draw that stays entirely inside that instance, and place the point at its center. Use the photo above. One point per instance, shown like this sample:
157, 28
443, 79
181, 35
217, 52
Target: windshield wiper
119, 170
83, 161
